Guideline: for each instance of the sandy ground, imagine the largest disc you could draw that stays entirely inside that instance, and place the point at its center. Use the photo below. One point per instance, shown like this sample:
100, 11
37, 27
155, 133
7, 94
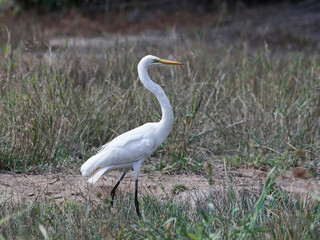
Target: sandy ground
14, 187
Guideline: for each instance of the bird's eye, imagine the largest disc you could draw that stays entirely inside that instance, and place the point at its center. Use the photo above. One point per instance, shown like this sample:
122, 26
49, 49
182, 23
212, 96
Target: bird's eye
156, 60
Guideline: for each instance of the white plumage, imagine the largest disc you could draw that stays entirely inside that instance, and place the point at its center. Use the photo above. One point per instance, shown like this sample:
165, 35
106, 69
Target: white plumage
122, 152
130, 149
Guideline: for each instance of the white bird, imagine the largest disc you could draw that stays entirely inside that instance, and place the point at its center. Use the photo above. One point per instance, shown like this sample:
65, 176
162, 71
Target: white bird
130, 149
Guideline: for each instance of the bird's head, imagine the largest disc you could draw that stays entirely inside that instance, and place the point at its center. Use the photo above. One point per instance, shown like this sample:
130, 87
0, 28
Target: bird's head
150, 60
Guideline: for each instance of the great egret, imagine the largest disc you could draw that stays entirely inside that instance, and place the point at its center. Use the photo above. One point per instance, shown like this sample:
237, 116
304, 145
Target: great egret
130, 149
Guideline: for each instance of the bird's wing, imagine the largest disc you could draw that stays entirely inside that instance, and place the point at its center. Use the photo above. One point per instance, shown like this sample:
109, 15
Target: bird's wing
135, 148
102, 147
130, 136
123, 150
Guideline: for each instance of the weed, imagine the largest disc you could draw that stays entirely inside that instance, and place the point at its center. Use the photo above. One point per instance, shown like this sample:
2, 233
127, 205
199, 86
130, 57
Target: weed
177, 188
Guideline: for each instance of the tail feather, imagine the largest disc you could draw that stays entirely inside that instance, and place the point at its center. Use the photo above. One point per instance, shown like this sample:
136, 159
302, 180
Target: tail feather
91, 165
97, 174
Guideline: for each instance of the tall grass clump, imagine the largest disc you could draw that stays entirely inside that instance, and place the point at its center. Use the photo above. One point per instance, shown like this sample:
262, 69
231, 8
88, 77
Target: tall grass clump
53, 114
261, 107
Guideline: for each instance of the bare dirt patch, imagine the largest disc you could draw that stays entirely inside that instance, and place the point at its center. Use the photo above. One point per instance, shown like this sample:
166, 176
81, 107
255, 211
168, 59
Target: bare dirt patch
14, 187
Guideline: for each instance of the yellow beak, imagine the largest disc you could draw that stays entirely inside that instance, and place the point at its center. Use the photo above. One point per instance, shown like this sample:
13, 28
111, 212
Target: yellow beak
170, 62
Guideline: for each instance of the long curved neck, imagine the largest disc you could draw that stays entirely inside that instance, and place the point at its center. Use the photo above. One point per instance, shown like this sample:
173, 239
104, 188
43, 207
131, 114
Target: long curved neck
167, 118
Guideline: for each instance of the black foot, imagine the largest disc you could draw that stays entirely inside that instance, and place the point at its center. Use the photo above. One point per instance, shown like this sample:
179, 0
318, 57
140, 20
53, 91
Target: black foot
136, 203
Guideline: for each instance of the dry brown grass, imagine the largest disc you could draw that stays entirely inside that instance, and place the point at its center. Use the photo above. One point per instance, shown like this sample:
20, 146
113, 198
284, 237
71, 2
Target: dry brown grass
258, 107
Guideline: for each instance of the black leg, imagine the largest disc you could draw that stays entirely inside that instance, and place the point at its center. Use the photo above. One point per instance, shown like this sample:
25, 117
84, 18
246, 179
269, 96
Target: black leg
136, 202
113, 191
